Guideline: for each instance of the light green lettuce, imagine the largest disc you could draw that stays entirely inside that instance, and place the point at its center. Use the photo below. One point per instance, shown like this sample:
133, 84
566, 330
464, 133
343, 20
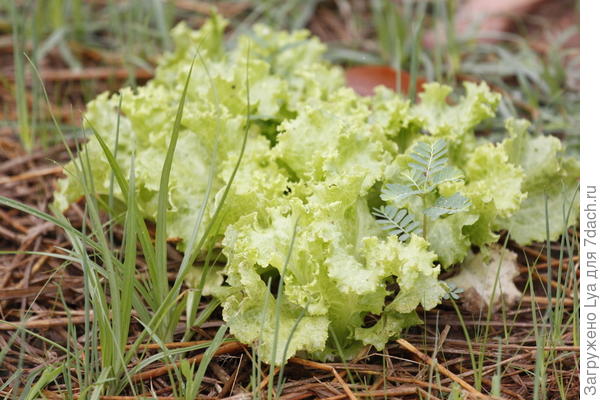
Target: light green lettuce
551, 183
316, 160
455, 121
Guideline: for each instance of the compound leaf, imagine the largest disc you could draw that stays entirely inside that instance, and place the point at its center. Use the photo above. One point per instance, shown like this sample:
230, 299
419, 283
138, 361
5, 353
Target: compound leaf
447, 174
448, 205
430, 165
396, 221
397, 192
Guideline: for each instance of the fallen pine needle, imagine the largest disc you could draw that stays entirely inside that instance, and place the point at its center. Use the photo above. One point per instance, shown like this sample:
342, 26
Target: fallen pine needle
31, 175
325, 367
172, 345
227, 348
41, 323
433, 363
541, 300
396, 391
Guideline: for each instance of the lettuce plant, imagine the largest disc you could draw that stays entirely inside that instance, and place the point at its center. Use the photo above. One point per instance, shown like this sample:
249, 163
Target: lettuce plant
323, 172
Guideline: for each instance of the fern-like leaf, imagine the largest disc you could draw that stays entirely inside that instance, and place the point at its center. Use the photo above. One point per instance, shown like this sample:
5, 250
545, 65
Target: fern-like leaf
453, 291
429, 158
396, 221
430, 165
448, 174
448, 205
397, 192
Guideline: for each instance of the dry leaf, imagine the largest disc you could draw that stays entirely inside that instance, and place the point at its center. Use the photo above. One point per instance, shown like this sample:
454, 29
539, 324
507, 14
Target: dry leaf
365, 78
478, 276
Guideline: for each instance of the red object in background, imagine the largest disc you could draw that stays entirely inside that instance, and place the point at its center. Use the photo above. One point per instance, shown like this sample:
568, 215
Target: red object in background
363, 79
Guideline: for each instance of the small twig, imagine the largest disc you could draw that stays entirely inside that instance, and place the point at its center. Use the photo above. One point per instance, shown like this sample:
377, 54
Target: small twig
31, 291
44, 153
534, 253
491, 368
10, 235
344, 384
42, 323
265, 380
227, 348
544, 278
31, 175
554, 264
11, 221
419, 383
395, 391
544, 300
310, 364
230, 383
423, 394
171, 345
153, 397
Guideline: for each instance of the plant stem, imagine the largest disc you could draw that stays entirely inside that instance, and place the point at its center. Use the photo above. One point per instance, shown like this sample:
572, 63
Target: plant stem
425, 206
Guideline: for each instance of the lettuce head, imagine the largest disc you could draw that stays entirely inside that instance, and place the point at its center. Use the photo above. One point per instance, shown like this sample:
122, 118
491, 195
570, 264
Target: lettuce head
299, 213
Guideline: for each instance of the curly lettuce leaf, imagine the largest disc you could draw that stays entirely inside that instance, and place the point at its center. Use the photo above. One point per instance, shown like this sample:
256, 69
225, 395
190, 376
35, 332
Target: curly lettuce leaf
455, 122
338, 270
389, 326
551, 183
